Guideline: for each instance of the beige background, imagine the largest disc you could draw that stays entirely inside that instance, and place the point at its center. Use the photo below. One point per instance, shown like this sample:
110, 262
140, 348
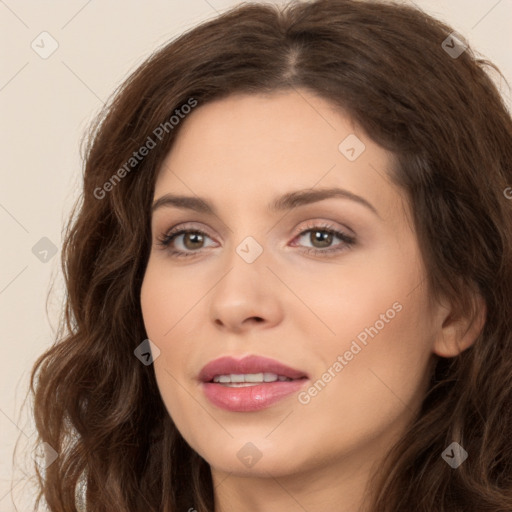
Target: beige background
46, 105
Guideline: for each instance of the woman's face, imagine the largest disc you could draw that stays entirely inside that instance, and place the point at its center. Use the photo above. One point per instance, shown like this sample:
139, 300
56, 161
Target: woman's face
350, 314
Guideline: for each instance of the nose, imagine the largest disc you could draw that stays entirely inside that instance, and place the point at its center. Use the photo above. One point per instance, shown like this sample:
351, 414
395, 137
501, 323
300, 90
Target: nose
246, 297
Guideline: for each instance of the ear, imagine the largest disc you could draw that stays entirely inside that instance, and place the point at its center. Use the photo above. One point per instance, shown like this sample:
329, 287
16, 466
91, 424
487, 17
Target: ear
456, 332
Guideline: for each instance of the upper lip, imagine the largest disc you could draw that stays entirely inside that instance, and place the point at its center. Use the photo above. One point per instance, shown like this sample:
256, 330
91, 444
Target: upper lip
250, 364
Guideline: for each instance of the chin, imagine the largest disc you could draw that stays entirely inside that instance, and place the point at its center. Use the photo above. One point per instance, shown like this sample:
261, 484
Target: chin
248, 460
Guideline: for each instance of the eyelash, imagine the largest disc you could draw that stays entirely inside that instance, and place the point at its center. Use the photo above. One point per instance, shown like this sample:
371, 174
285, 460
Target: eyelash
166, 238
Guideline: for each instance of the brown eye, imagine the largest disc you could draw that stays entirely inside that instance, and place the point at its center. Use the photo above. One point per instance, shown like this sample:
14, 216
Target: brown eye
193, 240
190, 242
322, 237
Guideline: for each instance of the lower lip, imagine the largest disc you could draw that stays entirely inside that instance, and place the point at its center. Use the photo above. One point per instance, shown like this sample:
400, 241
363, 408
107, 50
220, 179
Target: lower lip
250, 398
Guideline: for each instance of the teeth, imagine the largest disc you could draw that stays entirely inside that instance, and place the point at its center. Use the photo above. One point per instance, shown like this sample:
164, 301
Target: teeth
252, 377
270, 377
236, 378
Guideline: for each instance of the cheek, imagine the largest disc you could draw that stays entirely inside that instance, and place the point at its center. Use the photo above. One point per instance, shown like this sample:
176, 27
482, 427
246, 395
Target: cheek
375, 318
167, 308
166, 298
357, 301
379, 359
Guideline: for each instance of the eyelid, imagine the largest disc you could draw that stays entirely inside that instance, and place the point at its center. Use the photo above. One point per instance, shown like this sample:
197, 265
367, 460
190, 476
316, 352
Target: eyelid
323, 223
347, 241
310, 224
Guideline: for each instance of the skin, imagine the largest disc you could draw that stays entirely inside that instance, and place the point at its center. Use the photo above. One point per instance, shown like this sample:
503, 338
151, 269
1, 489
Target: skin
301, 309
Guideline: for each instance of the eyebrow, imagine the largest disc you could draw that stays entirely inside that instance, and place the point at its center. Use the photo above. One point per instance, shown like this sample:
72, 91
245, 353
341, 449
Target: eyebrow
287, 201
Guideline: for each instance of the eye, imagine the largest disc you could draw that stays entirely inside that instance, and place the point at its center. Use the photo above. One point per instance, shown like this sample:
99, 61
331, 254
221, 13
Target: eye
321, 236
192, 240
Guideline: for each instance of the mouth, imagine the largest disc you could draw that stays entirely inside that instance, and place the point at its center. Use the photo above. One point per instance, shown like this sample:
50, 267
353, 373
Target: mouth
248, 370
249, 384
250, 379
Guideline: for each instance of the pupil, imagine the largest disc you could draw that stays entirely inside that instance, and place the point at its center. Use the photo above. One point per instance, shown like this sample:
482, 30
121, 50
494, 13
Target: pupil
190, 236
322, 237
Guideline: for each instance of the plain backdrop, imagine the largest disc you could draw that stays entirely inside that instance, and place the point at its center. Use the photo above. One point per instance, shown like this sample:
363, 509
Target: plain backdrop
46, 104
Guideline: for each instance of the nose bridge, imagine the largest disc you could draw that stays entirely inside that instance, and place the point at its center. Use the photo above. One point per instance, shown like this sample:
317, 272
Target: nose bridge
245, 290
249, 237
250, 250
246, 265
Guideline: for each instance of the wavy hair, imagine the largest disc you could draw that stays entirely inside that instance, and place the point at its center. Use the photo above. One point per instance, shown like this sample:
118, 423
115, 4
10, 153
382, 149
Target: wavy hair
389, 67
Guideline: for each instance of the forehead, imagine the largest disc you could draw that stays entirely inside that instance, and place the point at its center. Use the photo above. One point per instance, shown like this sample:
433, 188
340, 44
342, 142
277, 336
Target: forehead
266, 145
242, 124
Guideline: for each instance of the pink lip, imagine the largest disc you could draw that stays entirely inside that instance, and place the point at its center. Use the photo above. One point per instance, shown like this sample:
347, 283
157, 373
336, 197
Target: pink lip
249, 364
249, 398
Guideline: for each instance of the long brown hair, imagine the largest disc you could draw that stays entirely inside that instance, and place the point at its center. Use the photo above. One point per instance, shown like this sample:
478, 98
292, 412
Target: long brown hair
395, 71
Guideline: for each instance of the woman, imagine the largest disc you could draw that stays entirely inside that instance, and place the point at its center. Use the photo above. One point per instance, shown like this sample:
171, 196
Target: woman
290, 276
